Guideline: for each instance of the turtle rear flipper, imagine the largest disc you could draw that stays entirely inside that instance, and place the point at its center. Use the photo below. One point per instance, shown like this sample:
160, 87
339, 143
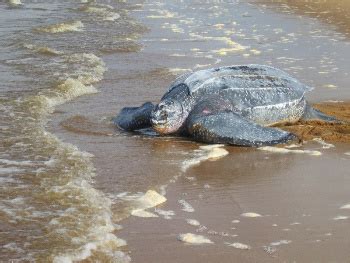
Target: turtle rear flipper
312, 114
231, 128
135, 118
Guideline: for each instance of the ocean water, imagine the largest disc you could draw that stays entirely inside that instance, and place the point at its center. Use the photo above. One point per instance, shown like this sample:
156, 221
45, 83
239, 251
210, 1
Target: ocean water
50, 210
69, 179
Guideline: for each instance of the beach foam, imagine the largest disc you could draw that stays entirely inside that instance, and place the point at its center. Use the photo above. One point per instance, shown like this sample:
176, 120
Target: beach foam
68, 90
340, 218
347, 206
43, 50
102, 11
72, 26
148, 200
15, 2
193, 222
324, 144
207, 152
87, 67
250, 214
142, 213
239, 245
166, 214
280, 242
284, 150
194, 239
186, 206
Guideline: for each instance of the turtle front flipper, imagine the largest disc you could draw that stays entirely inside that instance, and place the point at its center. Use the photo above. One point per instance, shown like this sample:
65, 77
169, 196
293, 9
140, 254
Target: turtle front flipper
134, 118
230, 128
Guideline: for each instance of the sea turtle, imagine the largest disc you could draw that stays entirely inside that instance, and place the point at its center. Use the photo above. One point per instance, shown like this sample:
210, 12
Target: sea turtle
230, 105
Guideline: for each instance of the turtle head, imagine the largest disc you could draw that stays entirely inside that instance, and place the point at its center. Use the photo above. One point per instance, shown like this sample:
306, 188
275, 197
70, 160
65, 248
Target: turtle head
167, 117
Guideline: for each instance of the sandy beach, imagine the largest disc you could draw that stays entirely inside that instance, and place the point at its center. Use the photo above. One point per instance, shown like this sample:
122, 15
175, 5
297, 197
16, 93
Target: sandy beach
74, 188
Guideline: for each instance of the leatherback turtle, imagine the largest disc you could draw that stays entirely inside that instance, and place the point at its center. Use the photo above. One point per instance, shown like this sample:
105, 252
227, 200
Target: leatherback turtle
230, 105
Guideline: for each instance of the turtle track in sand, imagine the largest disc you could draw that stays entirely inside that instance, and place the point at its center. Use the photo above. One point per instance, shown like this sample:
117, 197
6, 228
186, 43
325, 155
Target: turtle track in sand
334, 132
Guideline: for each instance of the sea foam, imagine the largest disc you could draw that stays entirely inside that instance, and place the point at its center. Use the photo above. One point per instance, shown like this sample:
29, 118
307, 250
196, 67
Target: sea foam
105, 12
72, 26
250, 214
207, 152
15, 2
284, 150
239, 246
150, 199
194, 239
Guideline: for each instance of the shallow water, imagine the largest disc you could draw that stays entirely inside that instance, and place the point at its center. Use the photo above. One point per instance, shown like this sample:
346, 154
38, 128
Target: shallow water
69, 177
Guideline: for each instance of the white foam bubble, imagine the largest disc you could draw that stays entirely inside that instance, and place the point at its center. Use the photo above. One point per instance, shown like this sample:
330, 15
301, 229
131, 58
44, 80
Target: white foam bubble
90, 68
340, 218
201, 228
284, 151
239, 245
255, 52
207, 152
162, 189
15, 2
179, 70
142, 213
293, 146
251, 214
106, 13
43, 50
329, 86
324, 144
347, 206
194, 239
334, 101
186, 206
347, 153
167, 214
150, 199
193, 222
235, 221
280, 242
68, 90
73, 26
86, 251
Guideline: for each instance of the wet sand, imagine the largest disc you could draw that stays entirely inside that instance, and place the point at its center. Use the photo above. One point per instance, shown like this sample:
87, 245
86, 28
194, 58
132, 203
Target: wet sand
336, 13
299, 194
